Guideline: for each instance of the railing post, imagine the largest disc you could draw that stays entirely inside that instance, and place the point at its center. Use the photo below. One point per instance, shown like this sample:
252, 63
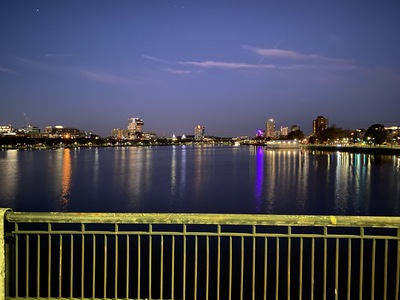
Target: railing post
2, 254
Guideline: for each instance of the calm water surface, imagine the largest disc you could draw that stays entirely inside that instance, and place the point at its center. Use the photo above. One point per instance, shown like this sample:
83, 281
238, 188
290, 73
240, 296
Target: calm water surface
200, 179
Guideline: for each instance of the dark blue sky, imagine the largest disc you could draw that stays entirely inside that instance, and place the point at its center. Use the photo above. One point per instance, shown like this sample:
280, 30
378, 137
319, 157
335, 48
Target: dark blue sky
228, 65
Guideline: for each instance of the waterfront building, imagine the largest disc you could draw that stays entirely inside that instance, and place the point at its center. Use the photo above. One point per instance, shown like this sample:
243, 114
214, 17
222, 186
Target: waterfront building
7, 130
31, 130
270, 128
135, 128
199, 133
62, 132
284, 130
320, 124
119, 133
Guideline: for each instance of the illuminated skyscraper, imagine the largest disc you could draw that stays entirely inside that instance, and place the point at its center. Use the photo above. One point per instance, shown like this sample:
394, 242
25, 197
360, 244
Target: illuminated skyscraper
270, 128
135, 128
320, 124
199, 133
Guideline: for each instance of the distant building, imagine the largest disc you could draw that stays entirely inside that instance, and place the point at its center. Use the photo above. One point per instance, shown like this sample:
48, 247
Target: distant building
294, 128
320, 124
199, 133
284, 130
260, 133
270, 128
135, 128
31, 130
7, 130
119, 133
62, 132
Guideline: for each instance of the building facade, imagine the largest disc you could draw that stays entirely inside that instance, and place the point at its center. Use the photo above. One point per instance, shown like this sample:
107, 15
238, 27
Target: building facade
199, 133
270, 128
320, 124
62, 132
135, 128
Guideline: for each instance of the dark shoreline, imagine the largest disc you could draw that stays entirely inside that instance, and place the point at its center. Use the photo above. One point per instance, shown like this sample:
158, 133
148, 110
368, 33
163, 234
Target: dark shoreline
354, 149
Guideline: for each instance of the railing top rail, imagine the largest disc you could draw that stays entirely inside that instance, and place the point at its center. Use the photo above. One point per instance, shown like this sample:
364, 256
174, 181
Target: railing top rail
199, 218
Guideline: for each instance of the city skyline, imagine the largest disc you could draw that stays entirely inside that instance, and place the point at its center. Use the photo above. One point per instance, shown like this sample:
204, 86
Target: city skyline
228, 65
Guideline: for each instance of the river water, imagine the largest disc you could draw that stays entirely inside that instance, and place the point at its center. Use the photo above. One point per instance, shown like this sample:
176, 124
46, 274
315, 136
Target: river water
214, 179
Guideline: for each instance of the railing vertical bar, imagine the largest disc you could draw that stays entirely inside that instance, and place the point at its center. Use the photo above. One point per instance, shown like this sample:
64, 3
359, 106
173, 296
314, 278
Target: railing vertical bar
196, 245
349, 270
253, 267
385, 274
277, 270
312, 267
207, 265
138, 267
173, 268
105, 266
373, 269
397, 294
301, 270
325, 261
71, 282
161, 266
16, 260
289, 250
360, 289
127, 266
94, 267
150, 257
60, 267
116, 262
230, 268
265, 267
241, 266
184, 263
337, 269
38, 268
49, 262
83, 261
218, 261
27, 267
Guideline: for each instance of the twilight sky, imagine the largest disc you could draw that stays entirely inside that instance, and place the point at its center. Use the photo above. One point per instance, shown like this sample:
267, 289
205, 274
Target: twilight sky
228, 65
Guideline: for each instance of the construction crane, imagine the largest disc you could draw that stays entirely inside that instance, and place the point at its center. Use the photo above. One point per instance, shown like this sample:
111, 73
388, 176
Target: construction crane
27, 121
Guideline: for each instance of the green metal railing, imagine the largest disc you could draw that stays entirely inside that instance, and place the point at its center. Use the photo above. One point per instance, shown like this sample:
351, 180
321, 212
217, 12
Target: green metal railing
198, 256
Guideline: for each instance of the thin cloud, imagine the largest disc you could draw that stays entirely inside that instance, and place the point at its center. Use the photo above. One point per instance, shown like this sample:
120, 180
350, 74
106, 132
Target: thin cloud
7, 71
37, 64
156, 59
57, 55
105, 77
259, 66
225, 65
292, 55
181, 72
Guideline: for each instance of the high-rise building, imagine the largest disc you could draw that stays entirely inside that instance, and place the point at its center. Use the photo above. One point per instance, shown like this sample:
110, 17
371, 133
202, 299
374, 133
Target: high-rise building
320, 124
199, 133
270, 128
284, 130
135, 128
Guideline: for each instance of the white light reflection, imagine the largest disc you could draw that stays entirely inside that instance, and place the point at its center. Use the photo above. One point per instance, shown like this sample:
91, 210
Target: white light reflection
9, 181
183, 170
173, 172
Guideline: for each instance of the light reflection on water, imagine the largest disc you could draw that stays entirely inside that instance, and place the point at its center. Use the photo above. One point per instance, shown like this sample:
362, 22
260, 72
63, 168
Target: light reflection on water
200, 179
66, 178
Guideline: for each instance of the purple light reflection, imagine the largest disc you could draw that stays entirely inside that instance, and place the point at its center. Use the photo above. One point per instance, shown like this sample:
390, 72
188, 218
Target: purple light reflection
259, 176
